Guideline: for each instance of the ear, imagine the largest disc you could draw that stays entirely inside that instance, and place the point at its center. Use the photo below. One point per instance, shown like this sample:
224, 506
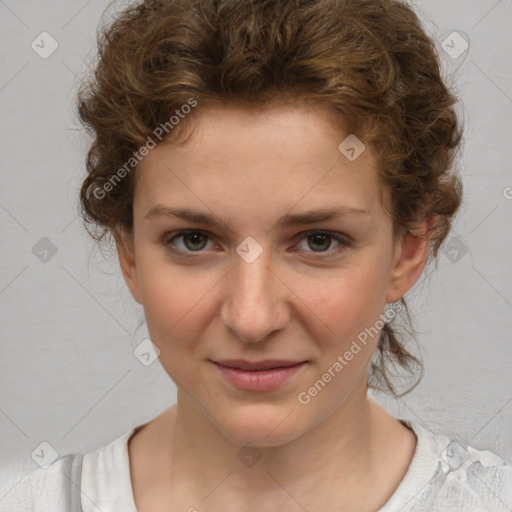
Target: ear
126, 253
410, 256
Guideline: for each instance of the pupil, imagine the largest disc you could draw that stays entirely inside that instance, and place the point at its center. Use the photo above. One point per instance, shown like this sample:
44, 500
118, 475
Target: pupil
192, 236
320, 236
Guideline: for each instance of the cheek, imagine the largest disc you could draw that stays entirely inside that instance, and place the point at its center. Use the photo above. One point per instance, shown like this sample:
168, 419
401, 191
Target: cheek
174, 300
345, 303
349, 305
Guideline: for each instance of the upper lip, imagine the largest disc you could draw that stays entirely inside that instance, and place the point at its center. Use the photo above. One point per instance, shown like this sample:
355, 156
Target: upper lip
265, 364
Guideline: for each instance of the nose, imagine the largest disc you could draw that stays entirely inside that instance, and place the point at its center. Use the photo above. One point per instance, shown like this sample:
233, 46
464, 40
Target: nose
255, 300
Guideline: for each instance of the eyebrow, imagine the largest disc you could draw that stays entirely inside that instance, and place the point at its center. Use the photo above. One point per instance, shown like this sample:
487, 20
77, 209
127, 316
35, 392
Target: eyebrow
288, 220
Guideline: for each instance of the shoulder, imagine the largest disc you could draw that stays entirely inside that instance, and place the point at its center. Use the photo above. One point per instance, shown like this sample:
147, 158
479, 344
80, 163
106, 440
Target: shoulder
481, 476
464, 478
54, 488
102, 476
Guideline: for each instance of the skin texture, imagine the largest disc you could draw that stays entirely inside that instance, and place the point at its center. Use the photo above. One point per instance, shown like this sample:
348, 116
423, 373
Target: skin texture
298, 300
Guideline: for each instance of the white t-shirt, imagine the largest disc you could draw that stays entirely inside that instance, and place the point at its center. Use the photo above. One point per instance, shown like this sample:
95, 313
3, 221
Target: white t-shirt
442, 476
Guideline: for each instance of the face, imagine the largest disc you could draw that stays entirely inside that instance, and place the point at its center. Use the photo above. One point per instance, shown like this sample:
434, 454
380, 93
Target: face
259, 281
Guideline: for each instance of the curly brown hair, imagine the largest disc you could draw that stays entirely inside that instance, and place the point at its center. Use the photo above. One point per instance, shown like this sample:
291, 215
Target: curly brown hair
369, 62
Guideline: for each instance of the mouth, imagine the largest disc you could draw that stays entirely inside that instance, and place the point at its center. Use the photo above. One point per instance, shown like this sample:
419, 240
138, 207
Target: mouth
262, 375
266, 364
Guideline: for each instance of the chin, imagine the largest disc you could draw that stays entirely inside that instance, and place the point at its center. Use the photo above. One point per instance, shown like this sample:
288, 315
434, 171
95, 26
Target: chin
262, 424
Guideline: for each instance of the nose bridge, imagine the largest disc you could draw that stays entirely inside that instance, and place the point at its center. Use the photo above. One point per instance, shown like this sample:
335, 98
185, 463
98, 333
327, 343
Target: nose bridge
251, 305
252, 277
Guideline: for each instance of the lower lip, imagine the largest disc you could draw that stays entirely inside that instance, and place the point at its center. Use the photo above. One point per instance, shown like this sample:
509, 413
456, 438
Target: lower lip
258, 380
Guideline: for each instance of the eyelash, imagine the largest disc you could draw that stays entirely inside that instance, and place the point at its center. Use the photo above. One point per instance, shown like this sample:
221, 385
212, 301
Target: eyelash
343, 242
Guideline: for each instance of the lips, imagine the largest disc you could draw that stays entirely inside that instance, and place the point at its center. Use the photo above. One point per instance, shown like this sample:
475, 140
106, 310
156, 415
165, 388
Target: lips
267, 364
265, 375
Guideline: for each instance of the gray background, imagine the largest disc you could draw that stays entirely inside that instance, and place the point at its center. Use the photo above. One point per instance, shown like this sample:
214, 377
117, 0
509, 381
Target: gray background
69, 326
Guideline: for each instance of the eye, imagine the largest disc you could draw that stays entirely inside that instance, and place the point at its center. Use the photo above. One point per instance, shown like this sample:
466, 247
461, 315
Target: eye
193, 240
322, 240
196, 241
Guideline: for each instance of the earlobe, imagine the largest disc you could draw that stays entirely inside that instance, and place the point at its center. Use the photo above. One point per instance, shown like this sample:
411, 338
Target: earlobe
126, 253
410, 257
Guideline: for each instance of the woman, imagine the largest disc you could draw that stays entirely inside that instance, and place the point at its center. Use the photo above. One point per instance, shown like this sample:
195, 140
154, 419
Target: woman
276, 176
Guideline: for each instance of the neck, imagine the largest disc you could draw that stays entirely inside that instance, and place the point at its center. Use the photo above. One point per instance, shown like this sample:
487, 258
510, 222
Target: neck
339, 454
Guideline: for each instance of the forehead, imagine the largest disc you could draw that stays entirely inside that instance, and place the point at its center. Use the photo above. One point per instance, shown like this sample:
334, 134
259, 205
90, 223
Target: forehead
289, 153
